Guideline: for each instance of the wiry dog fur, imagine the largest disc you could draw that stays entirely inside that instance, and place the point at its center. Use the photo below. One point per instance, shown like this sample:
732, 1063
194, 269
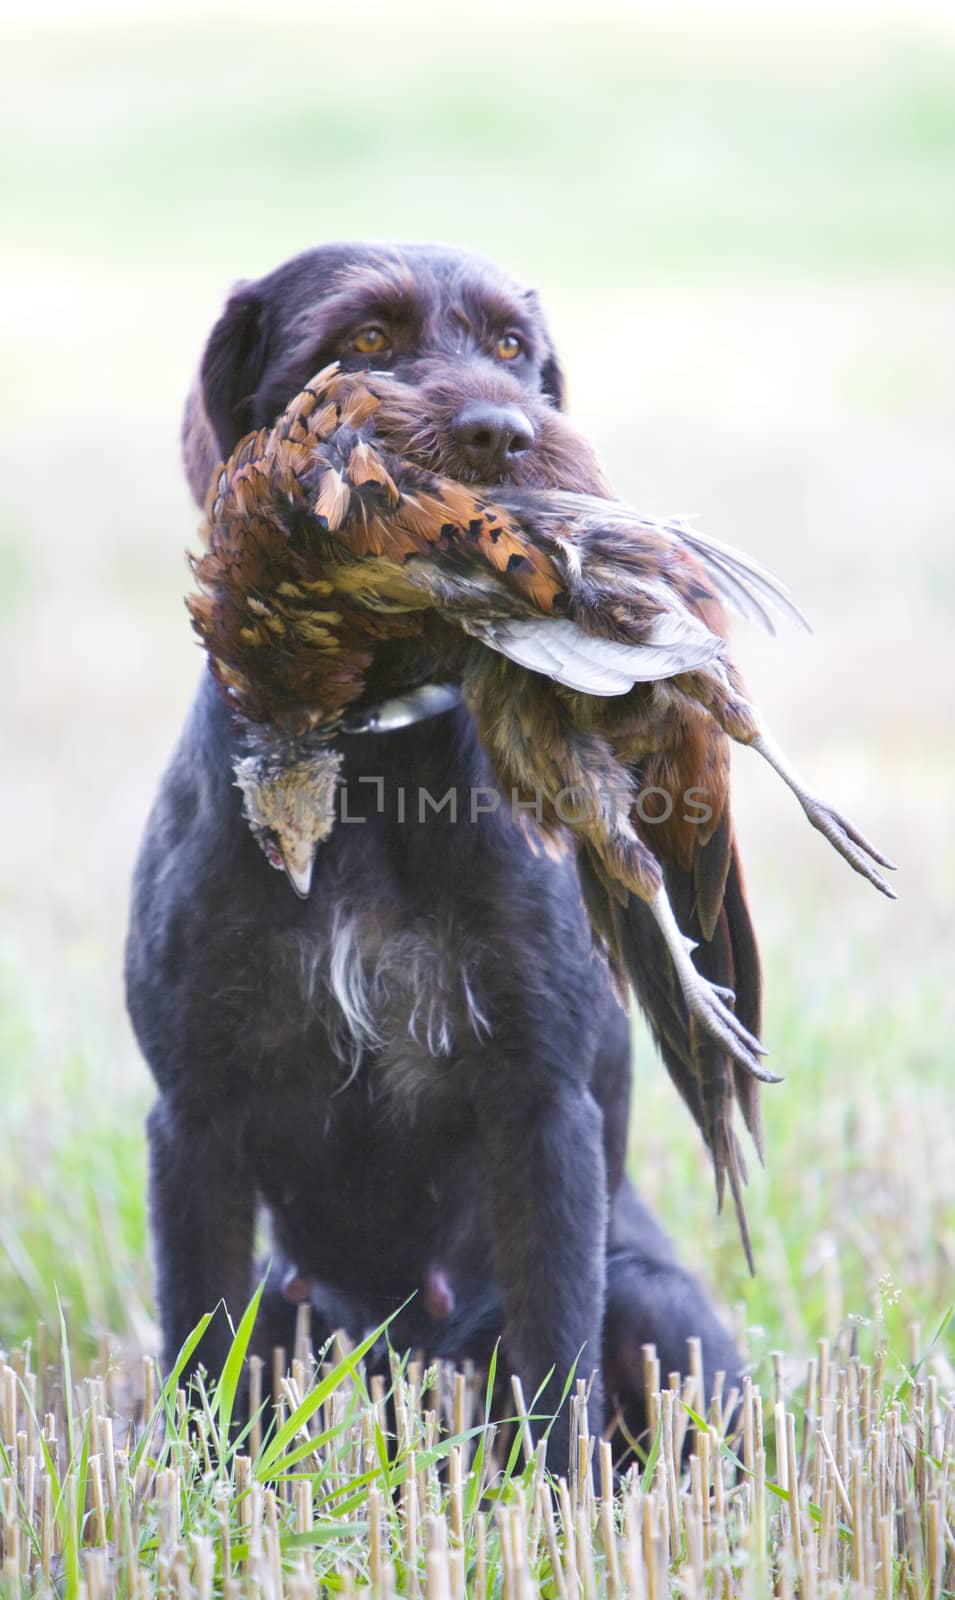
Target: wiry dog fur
421, 1071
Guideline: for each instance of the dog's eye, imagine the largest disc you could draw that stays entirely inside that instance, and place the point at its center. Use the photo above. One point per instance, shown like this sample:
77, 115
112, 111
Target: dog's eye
509, 347
370, 342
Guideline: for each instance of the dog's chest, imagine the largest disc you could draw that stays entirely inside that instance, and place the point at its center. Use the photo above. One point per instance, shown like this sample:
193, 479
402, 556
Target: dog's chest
397, 1003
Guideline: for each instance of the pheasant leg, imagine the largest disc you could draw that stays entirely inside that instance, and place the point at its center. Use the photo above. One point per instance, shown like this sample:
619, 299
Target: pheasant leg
852, 845
707, 1001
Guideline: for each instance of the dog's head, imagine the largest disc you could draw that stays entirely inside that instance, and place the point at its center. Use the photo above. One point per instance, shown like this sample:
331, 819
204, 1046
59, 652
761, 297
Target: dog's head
467, 339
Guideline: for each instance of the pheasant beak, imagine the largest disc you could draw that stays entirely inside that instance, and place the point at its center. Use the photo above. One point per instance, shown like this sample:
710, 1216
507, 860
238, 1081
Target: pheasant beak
298, 863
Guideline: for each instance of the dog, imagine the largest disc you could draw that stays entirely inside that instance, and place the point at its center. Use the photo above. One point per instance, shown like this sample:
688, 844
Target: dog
421, 1072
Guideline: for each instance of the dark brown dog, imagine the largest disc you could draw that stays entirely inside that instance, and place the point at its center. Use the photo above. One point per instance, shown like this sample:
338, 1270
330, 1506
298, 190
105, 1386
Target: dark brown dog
420, 1070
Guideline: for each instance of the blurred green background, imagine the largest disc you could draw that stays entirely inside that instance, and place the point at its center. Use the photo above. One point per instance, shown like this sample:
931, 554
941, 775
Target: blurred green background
742, 224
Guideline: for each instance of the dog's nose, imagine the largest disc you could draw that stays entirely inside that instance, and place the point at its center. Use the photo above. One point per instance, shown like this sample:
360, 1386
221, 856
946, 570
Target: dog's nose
488, 435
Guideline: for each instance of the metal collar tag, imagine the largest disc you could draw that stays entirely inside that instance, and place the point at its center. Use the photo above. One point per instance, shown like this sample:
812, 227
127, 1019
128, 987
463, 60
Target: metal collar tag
404, 710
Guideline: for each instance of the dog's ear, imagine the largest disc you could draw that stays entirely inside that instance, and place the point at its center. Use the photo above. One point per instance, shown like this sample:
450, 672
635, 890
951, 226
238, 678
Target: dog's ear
200, 448
218, 409
551, 373
552, 378
232, 365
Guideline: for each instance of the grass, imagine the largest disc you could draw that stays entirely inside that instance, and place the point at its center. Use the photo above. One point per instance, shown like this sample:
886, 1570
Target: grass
840, 1486
743, 231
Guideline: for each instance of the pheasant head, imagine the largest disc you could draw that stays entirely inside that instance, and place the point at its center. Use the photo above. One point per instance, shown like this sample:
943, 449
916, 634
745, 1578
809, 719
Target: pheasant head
288, 798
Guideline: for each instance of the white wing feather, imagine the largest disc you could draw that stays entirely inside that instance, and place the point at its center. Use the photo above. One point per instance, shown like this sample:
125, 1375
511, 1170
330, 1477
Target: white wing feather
562, 651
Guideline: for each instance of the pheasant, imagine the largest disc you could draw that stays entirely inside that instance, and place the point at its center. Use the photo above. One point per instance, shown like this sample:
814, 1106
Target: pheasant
590, 644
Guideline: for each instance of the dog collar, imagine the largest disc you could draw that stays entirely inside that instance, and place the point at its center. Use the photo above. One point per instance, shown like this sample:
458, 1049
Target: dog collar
405, 709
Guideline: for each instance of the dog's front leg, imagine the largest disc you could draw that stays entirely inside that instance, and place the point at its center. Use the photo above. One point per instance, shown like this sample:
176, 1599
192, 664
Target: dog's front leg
548, 1204
202, 1205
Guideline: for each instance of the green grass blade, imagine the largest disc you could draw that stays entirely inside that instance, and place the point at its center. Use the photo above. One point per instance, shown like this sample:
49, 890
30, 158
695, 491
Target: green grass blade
168, 1390
271, 1454
228, 1384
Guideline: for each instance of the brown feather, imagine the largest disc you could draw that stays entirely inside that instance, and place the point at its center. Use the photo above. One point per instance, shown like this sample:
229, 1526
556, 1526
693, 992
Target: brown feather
333, 499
